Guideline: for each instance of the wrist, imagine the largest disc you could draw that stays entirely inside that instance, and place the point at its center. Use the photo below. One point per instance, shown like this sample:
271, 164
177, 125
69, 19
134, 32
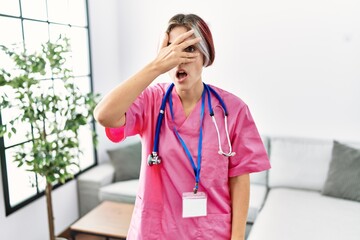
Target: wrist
238, 237
236, 234
154, 68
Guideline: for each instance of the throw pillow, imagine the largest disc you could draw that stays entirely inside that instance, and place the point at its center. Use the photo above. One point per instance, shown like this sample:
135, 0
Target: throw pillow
343, 180
126, 161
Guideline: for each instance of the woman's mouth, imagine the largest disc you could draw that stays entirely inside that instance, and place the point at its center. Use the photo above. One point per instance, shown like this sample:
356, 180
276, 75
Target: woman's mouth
181, 75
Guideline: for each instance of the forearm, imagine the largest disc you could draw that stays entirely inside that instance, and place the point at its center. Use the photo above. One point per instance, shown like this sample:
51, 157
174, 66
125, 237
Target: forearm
240, 192
110, 112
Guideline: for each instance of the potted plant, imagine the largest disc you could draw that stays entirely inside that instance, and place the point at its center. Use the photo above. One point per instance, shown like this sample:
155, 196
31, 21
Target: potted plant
56, 113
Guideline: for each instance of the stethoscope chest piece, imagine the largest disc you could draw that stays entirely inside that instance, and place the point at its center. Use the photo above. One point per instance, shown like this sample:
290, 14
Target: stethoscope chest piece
153, 159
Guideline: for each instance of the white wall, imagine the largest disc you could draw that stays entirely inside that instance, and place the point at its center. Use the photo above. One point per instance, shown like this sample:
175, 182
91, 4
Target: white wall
106, 53
296, 63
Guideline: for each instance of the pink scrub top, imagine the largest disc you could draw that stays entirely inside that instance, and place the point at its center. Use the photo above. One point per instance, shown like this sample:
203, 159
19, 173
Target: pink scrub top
158, 206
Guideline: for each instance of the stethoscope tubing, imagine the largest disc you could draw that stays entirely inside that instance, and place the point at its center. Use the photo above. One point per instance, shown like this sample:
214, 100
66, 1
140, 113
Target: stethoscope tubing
210, 89
154, 158
160, 118
212, 114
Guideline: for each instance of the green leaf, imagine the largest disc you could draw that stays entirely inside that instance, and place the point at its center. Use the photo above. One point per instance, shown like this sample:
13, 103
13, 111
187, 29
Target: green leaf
2, 80
3, 130
20, 164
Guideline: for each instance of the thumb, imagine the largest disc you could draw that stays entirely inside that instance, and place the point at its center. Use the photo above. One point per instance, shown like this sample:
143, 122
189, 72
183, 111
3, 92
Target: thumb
164, 40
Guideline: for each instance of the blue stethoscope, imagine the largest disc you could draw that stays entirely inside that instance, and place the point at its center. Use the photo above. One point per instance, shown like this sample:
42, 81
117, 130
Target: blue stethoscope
154, 158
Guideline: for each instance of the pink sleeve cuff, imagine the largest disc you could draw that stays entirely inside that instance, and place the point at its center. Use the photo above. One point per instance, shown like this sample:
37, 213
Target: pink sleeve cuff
115, 134
240, 171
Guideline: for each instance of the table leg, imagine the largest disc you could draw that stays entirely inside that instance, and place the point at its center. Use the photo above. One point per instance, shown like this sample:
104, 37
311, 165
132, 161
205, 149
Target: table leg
73, 235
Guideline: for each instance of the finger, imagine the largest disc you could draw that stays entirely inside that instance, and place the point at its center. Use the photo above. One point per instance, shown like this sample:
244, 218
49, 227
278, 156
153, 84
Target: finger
183, 37
190, 42
189, 55
187, 60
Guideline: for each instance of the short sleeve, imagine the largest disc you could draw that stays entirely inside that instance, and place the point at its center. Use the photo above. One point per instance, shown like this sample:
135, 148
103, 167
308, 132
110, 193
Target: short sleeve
134, 120
250, 155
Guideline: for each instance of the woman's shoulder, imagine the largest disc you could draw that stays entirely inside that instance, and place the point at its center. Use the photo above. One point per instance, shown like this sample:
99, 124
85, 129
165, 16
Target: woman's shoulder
156, 90
231, 100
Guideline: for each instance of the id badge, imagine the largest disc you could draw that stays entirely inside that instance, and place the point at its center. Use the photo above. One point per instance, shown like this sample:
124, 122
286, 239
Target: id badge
194, 205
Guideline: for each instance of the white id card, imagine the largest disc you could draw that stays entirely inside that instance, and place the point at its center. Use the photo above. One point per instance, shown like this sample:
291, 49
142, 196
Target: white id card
194, 205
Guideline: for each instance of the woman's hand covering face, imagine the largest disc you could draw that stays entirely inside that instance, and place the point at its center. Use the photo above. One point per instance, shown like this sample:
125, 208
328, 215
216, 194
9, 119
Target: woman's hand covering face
178, 52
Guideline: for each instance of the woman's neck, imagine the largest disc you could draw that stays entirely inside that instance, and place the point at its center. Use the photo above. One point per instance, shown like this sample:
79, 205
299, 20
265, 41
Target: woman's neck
190, 97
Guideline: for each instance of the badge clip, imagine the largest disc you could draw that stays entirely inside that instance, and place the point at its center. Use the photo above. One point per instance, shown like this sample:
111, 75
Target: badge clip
196, 188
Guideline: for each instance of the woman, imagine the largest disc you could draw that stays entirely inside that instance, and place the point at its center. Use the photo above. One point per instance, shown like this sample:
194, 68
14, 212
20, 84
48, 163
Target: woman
192, 192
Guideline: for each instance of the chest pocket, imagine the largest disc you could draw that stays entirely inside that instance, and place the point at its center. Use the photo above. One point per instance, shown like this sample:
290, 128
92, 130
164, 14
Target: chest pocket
214, 168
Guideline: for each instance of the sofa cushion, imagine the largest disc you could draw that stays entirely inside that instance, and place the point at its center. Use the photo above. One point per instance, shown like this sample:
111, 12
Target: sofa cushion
261, 177
123, 191
299, 162
257, 198
300, 214
98, 176
126, 160
343, 180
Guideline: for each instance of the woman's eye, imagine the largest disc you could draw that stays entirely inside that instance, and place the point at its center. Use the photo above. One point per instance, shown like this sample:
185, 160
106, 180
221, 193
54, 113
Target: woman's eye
189, 49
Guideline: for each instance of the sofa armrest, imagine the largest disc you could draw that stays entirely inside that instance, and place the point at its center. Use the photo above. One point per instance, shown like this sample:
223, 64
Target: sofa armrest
258, 193
89, 184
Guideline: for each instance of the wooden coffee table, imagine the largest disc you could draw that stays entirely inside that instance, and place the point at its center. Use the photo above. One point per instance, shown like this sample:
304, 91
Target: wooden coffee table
109, 219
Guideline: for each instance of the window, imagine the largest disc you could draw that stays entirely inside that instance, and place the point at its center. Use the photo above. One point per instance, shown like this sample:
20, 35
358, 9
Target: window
34, 22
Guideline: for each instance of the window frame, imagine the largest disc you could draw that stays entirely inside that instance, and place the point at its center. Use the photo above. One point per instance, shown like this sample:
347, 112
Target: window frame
3, 161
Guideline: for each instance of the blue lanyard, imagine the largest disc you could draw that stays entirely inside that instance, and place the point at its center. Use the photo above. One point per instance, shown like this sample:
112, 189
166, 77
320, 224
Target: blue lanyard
198, 167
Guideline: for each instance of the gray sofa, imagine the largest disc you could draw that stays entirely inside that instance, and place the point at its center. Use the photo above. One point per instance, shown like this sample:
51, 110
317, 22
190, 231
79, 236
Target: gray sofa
300, 197
314, 191
115, 180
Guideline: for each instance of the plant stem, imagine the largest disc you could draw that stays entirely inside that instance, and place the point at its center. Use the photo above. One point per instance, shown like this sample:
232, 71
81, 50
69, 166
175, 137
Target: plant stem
50, 210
